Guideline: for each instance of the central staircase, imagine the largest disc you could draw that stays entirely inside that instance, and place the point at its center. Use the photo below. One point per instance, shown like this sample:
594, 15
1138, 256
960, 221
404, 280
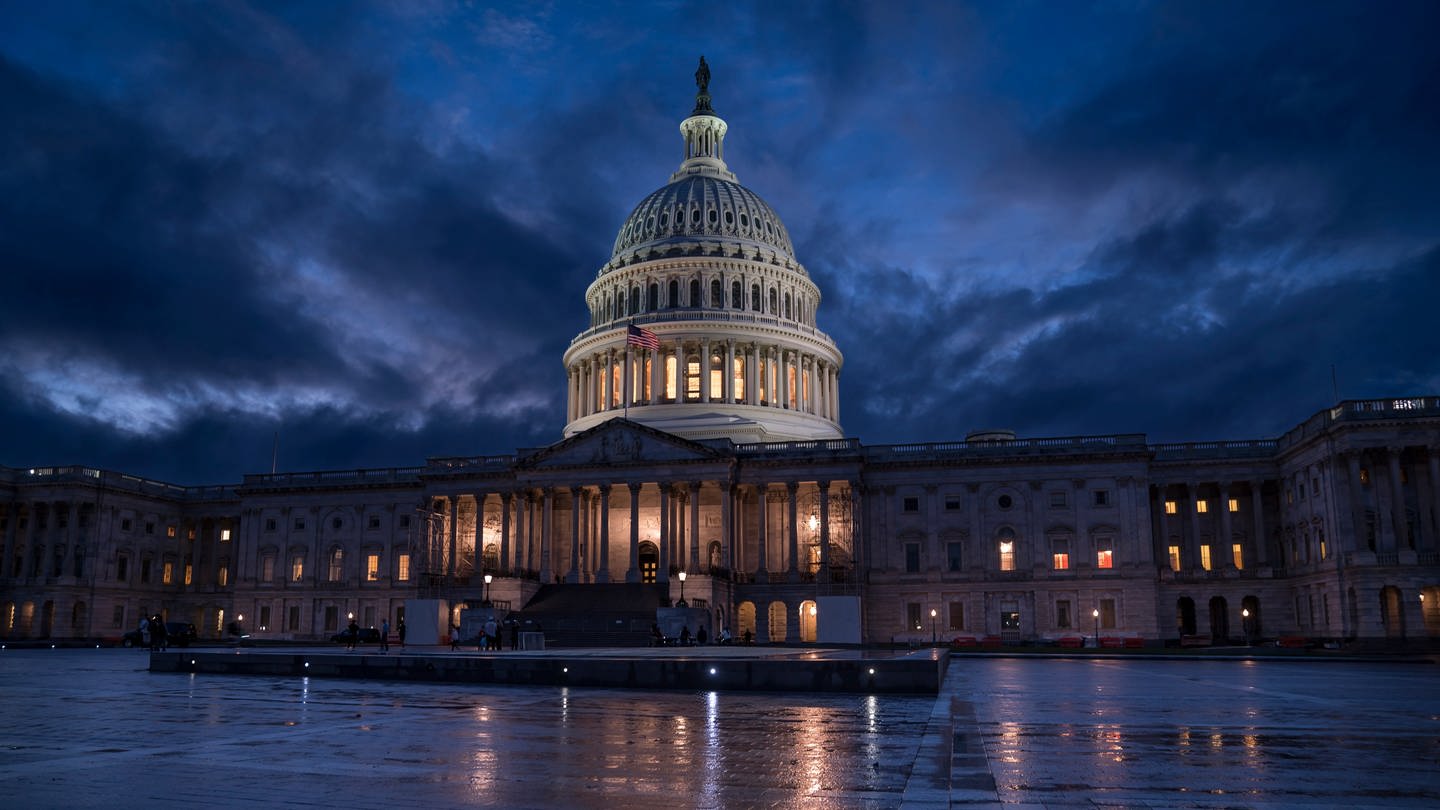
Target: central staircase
593, 615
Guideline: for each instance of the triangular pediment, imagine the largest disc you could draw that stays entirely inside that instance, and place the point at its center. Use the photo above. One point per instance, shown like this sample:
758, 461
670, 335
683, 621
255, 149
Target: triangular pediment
619, 442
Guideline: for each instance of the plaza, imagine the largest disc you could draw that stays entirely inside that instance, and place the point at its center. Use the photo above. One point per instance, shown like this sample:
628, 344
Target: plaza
94, 728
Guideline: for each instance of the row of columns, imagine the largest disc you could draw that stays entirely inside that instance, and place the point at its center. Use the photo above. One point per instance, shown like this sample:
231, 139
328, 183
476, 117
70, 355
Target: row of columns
1188, 525
1392, 529
814, 389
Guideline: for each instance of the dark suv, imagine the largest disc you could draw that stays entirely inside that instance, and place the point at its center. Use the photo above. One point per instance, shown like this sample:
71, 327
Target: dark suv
368, 635
179, 634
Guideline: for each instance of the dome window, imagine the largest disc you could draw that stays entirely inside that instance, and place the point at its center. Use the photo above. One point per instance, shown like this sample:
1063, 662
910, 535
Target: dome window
650, 224
665, 220
729, 218
714, 216
695, 216
744, 220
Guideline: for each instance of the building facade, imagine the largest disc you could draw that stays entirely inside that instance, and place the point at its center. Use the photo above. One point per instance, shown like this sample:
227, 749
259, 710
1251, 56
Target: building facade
702, 435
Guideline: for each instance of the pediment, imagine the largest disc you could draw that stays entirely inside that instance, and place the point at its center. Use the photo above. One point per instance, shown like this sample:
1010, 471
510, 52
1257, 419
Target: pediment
619, 442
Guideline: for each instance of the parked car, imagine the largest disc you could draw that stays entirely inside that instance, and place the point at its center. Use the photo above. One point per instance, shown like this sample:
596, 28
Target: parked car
368, 635
179, 634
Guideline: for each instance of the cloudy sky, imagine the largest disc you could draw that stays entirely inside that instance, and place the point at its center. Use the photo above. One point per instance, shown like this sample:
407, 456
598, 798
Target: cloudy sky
369, 228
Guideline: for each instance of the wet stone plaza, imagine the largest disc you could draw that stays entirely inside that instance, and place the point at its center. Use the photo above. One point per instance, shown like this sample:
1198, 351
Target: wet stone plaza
95, 728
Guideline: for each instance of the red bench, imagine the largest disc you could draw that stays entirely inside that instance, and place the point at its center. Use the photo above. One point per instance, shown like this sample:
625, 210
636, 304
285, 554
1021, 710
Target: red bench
1134, 642
990, 641
1071, 641
963, 641
1114, 642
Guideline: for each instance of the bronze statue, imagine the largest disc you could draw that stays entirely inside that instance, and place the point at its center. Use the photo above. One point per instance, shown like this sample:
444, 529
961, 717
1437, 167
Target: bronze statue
702, 76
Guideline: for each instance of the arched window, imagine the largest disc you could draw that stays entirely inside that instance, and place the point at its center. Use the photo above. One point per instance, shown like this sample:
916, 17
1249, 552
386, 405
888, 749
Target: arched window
653, 296
773, 303
738, 377
692, 378
755, 297
787, 305
737, 295
1006, 547
717, 294
694, 292
717, 377
634, 300
337, 565
674, 299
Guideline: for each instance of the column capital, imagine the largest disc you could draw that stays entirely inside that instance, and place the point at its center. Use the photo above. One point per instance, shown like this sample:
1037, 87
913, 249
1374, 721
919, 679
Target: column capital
634, 486
605, 490
792, 487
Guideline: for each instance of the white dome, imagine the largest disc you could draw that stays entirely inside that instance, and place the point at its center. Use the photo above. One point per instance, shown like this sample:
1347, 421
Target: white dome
702, 209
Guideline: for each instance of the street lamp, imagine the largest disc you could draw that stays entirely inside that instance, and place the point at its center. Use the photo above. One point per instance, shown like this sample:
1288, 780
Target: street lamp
1095, 614
932, 627
1245, 624
681, 603
488, 577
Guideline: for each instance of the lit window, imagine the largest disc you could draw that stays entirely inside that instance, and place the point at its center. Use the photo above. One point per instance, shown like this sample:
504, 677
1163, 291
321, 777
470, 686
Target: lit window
1174, 558
168, 574
1234, 504
1104, 553
222, 577
1007, 555
372, 567
1237, 551
670, 377
717, 377
1202, 506
297, 568
1323, 554
224, 535
1062, 560
337, 565
1205, 557
189, 573
170, 531
1170, 508
402, 567
739, 379
267, 568
190, 533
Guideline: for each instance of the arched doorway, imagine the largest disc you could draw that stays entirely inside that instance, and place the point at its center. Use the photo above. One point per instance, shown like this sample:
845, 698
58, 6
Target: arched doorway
778, 618
649, 561
1392, 614
1185, 616
745, 620
1219, 620
809, 615
1250, 617
47, 619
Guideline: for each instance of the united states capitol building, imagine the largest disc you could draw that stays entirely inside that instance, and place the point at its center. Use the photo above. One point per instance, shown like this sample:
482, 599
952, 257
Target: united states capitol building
703, 438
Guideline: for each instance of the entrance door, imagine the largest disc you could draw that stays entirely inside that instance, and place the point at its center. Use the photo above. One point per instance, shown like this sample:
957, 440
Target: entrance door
1010, 622
649, 562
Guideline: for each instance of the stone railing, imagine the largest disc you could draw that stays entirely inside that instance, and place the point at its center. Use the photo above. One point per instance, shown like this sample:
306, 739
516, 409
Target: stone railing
698, 315
1361, 410
117, 480
1175, 451
1064, 445
386, 475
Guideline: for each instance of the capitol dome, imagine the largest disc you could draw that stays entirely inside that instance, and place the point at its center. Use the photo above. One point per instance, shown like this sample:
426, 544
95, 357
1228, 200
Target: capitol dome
702, 323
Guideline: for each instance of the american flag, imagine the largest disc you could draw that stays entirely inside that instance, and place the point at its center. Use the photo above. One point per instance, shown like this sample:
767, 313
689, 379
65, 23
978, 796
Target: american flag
644, 338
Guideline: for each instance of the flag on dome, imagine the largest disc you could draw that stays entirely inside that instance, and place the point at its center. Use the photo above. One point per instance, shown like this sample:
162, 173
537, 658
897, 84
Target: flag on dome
644, 338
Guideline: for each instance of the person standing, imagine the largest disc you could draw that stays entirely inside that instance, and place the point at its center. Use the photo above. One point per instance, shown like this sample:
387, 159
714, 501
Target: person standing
158, 634
491, 638
401, 632
352, 635
454, 637
384, 636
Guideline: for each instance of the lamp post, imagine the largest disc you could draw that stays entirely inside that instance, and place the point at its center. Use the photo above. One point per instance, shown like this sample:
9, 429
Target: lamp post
488, 577
681, 603
932, 627
1095, 614
1245, 624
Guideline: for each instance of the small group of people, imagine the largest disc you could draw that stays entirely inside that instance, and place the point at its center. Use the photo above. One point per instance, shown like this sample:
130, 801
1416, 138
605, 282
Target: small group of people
153, 634
491, 638
685, 639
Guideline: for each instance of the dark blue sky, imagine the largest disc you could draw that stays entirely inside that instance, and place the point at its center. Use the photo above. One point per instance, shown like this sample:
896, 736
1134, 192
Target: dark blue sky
370, 228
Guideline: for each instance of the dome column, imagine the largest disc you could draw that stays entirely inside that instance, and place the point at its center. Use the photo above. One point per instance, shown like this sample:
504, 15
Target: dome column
602, 573
752, 376
728, 378
705, 370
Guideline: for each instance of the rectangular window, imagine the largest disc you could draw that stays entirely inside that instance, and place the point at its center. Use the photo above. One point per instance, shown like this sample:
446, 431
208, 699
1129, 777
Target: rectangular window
1314, 486
1323, 554
189, 573
1174, 558
1061, 558
144, 572
402, 567
1057, 500
957, 615
404, 521
912, 558
224, 535
1062, 614
912, 616
190, 533
1300, 491
1234, 504
1107, 614
911, 505
1170, 508
267, 568
170, 530
299, 524
332, 617
167, 574
1007, 555
1102, 497
269, 524
292, 621
1104, 552
1205, 557
149, 527
124, 525
692, 380
374, 522
953, 556
952, 504
222, 577
297, 568
372, 567
1237, 552
738, 379
264, 617
1202, 506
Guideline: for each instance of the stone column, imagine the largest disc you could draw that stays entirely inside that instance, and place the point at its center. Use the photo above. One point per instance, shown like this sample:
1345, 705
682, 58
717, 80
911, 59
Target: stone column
705, 370
823, 575
792, 570
859, 535
835, 394
1226, 527
752, 376
505, 561
727, 540
728, 379
602, 574
632, 574
72, 540
657, 381
524, 531
478, 563
784, 373
667, 527
1262, 544
7, 548
694, 526
547, 536
609, 381
573, 576
1397, 500
762, 492
627, 378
